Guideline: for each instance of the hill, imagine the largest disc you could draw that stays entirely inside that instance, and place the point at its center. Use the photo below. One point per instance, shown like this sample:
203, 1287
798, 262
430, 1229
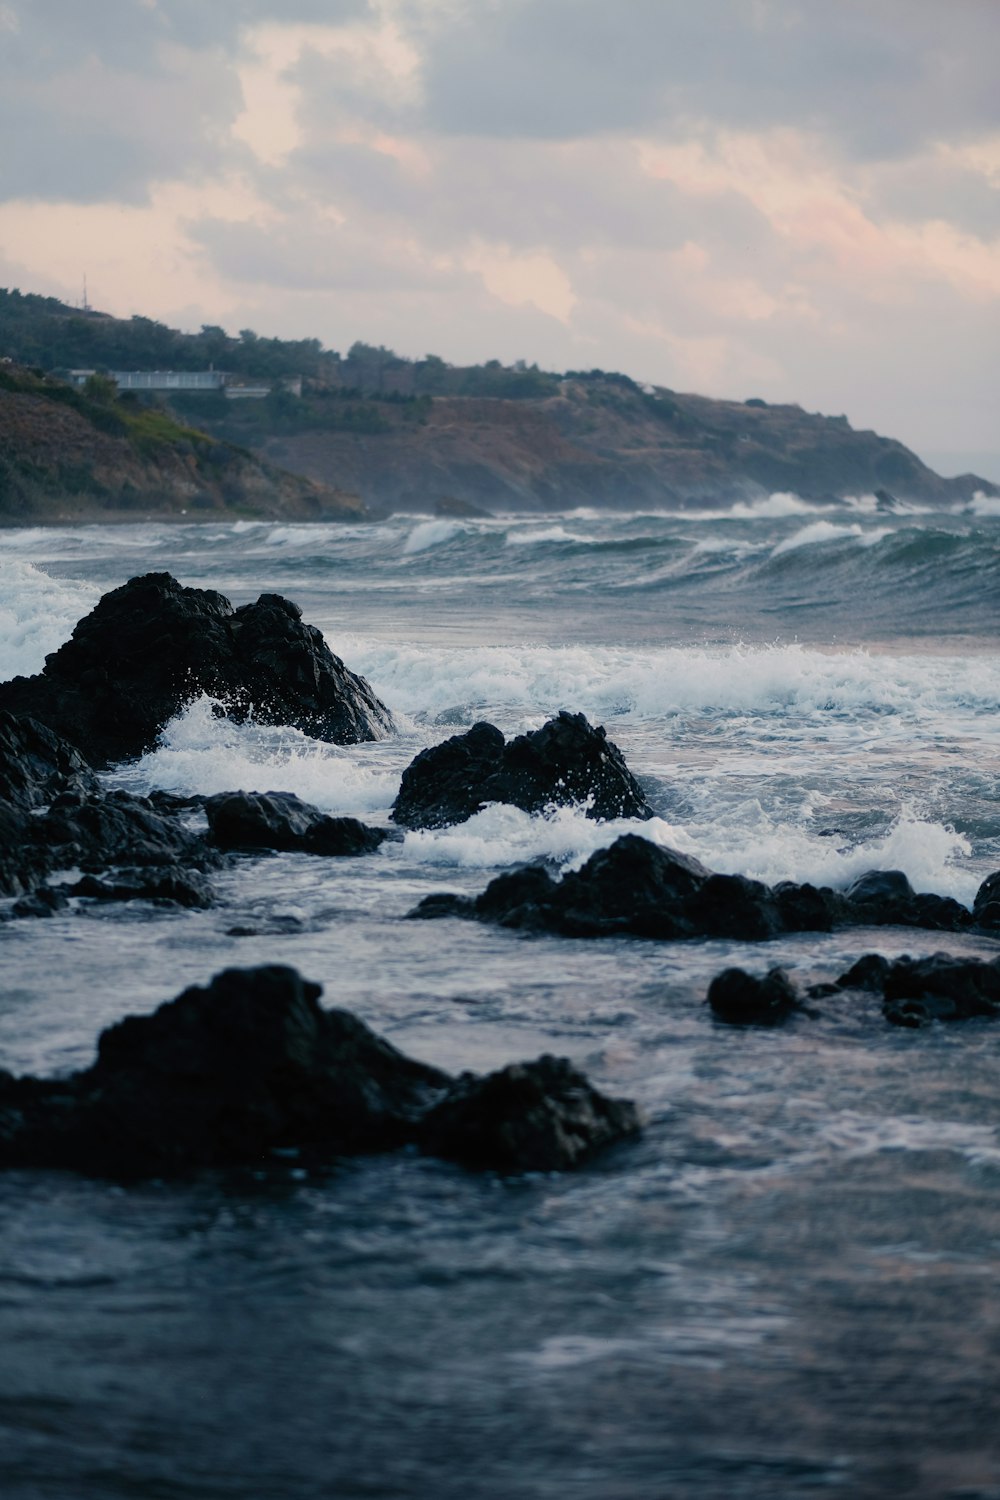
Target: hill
70, 455
418, 433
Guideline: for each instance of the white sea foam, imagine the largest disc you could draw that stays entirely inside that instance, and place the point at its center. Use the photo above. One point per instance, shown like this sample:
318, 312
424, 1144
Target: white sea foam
735, 843
984, 505
37, 613
428, 534
548, 534
603, 680
202, 753
828, 531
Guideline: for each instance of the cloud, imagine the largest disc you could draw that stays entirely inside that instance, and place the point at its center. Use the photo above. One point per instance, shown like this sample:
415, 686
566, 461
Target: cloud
778, 197
879, 78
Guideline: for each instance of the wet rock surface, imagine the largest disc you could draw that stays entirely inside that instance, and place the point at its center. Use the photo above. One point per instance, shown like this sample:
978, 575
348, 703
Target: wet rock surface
151, 646
540, 1116
280, 821
643, 889
36, 765
251, 1064
939, 988
741, 999
568, 760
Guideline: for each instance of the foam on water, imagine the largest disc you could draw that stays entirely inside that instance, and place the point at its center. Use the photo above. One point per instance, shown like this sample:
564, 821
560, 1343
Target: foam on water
606, 681
827, 531
984, 505
200, 752
931, 855
548, 534
427, 534
37, 614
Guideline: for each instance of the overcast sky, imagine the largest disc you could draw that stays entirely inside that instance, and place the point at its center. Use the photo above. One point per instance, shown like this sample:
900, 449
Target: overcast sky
794, 199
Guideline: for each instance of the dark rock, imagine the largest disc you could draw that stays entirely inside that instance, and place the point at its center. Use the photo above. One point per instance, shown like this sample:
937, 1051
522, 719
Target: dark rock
41, 903
741, 999
568, 760
642, 889
442, 904
23, 863
940, 988
868, 973
885, 898
95, 832
251, 1065
36, 765
150, 647
880, 886
181, 887
279, 820
540, 1116
986, 907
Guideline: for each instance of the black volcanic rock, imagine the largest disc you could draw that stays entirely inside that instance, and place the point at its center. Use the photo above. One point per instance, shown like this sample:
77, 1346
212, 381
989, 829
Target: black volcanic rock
279, 820
151, 646
918, 991
251, 1064
540, 1116
885, 898
181, 887
37, 765
568, 760
642, 889
986, 907
741, 999
118, 829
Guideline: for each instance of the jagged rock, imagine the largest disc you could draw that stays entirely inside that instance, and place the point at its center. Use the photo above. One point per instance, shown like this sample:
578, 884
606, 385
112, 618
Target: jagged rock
640, 888
119, 829
986, 907
250, 1064
182, 887
279, 820
36, 765
741, 999
151, 646
540, 1116
568, 760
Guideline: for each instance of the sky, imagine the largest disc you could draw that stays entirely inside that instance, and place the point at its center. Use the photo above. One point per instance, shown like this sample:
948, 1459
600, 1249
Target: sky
791, 199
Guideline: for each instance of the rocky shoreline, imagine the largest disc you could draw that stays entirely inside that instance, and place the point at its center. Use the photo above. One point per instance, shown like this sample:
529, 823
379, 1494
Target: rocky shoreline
251, 1064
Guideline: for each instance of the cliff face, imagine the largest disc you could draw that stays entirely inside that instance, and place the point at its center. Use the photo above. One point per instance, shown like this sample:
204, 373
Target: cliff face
605, 442
65, 457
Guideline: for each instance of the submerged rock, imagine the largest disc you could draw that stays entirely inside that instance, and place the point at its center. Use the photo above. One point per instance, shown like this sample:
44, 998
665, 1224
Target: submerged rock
741, 999
180, 887
251, 1064
279, 820
151, 646
568, 760
917, 991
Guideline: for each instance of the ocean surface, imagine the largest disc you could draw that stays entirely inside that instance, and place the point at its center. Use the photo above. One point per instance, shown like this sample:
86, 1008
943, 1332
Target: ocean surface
789, 1285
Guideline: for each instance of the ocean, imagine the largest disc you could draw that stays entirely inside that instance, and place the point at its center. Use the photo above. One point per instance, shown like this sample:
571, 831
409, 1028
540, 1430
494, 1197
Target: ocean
787, 1286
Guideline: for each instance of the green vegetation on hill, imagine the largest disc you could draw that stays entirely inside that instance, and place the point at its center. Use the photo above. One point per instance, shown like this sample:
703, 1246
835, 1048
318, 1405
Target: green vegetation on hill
79, 453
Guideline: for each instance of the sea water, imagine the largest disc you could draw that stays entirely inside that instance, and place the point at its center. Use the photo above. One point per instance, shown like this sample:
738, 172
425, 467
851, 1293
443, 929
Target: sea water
788, 1285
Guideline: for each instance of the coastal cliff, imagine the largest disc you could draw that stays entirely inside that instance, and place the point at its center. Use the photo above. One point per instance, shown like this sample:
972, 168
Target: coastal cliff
67, 456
